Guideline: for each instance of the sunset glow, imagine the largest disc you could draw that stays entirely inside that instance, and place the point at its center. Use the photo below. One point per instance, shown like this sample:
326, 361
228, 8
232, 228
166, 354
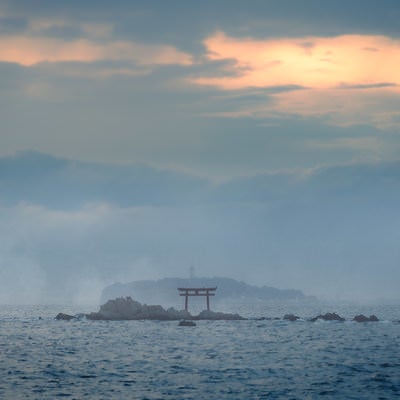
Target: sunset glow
310, 61
342, 78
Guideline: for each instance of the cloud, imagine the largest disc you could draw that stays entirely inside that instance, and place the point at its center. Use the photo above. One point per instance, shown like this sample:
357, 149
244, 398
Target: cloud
329, 73
58, 39
29, 51
311, 62
343, 107
46, 26
57, 183
372, 145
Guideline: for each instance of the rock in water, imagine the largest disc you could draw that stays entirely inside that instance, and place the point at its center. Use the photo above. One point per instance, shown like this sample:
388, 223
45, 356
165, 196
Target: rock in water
186, 322
218, 316
64, 317
290, 317
363, 318
328, 317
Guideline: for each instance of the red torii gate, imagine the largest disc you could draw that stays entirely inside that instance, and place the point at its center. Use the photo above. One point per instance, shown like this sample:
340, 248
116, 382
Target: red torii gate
207, 292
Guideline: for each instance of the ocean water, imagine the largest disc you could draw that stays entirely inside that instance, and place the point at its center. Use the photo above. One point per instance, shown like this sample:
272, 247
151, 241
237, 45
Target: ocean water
41, 358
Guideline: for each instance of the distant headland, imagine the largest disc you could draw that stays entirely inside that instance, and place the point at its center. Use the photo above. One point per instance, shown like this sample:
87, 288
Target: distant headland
164, 291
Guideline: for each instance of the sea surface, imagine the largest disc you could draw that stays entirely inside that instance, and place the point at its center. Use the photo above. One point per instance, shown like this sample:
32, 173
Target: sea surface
41, 358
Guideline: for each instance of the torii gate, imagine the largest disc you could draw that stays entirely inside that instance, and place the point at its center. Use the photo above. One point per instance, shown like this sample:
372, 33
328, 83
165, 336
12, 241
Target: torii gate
207, 292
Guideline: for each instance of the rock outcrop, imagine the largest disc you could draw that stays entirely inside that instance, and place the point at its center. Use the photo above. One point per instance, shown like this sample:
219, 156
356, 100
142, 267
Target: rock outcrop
64, 317
290, 317
363, 318
328, 317
125, 308
217, 316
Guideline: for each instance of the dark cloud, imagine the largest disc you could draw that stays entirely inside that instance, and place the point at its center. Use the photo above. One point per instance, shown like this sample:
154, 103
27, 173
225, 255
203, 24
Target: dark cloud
370, 86
188, 23
57, 183
60, 184
11, 25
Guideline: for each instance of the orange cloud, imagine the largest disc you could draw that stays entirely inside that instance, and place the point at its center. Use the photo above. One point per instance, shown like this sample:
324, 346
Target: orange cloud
311, 62
348, 79
28, 51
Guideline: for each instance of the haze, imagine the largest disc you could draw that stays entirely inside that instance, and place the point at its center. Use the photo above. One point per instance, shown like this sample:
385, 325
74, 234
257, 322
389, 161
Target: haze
255, 140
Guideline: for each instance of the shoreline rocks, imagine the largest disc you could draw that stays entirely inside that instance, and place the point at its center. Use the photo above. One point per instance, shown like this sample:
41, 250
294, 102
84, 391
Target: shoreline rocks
125, 309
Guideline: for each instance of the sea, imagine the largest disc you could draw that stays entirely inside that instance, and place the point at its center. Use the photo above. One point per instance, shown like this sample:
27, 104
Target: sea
263, 357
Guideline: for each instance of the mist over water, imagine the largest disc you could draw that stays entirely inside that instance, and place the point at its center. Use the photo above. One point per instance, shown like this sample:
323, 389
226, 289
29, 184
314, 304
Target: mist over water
328, 239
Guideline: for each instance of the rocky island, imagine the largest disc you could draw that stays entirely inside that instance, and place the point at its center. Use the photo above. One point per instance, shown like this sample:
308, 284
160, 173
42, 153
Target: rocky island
126, 309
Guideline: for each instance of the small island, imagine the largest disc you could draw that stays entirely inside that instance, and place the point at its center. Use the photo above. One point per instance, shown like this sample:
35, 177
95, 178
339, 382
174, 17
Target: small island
127, 309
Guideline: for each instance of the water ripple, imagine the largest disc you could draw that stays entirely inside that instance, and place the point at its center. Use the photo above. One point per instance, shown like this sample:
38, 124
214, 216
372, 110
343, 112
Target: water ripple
47, 359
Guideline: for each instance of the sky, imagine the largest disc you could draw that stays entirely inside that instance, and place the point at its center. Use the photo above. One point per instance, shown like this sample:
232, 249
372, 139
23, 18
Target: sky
257, 140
